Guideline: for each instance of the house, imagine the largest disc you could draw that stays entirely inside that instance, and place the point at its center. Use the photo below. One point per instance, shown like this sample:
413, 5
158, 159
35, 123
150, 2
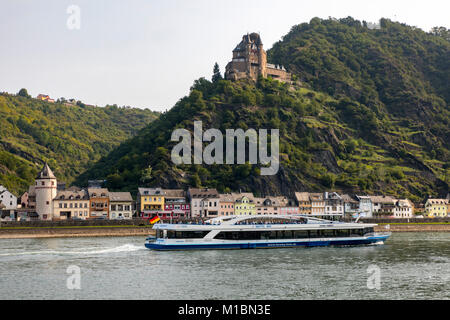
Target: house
31, 197
317, 204
288, 206
98, 203
244, 204
150, 201
404, 208
383, 205
7, 199
334, 205
175, 204
303, 201
226, 204
120, 205
365, 206
24, 200
71, 205
448, 204
269, 205
44, 97
351, 206
436, 208
204, 202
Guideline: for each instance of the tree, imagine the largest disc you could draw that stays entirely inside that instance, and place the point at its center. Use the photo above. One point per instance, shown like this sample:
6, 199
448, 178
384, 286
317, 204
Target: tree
216, 73
441, 32
23, 93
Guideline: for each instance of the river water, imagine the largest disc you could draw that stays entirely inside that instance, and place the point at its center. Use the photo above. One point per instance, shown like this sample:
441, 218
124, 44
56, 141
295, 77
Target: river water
408, 266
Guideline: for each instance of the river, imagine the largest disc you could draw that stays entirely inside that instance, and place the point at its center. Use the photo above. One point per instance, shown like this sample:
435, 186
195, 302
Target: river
409, 266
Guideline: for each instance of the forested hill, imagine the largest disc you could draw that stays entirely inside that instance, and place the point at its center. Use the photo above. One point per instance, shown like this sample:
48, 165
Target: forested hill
69, 137
369, 114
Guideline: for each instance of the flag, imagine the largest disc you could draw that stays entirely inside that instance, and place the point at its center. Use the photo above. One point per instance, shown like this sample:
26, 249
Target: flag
154, 220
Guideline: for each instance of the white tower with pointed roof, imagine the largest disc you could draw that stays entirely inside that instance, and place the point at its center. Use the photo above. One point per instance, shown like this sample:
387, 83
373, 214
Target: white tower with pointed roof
46, 187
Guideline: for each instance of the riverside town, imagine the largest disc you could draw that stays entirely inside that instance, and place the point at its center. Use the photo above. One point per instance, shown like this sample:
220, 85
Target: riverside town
51, 201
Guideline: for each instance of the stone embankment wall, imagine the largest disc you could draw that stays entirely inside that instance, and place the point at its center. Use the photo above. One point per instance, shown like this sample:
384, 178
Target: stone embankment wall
18, 233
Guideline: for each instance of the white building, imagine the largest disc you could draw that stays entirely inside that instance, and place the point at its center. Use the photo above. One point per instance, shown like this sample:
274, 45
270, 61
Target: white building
120, 205
383, 204
403, 209
7, 199
365, 206
334, 203
71, 204
204, 202
45, 189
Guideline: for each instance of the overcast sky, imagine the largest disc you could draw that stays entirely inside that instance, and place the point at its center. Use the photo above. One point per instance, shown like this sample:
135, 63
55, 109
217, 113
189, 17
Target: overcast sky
147, 53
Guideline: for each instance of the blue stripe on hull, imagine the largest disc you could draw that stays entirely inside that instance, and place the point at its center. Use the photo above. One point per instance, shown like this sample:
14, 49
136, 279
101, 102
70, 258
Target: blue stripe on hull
371, 240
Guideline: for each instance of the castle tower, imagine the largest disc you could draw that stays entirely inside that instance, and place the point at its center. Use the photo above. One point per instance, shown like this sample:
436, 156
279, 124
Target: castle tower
250, 61
45, 187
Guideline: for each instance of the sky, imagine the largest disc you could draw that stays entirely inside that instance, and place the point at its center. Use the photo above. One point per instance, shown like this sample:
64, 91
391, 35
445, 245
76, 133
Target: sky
147, 53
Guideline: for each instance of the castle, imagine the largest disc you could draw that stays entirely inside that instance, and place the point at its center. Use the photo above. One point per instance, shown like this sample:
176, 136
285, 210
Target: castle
250, 61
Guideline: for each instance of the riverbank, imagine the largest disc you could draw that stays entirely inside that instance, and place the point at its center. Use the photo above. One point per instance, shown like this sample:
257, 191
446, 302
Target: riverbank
127, 231
75, 232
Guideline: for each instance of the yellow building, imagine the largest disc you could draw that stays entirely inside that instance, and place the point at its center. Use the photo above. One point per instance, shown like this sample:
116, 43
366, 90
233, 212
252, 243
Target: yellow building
436, 208
150, 201
304, 202
244, 204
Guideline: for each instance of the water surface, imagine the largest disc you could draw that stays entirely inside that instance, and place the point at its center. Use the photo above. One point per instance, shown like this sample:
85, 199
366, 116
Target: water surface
411, 265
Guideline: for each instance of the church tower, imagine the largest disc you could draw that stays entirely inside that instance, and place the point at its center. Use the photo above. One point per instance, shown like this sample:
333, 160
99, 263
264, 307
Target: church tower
45, 187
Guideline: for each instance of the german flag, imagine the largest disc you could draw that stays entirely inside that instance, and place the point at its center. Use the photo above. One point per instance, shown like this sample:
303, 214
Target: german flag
154, 220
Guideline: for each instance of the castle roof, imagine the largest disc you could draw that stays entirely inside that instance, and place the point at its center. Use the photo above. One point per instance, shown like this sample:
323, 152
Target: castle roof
247, 39
46, 173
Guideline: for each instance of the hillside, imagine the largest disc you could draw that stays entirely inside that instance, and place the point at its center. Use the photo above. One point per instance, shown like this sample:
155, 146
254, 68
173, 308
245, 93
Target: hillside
69, 138
369, 114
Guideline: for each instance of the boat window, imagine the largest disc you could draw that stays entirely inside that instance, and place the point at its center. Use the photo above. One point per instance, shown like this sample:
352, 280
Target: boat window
328, 233
288, 234
314, 233
301, 234
342, 233
171, 234
368, 230
356, 232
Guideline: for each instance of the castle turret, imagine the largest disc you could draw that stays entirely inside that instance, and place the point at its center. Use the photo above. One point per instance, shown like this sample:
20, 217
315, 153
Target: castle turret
45, 189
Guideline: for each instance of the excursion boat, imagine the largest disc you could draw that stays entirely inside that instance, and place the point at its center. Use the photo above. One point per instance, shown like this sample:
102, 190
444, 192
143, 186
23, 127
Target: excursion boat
268, 231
